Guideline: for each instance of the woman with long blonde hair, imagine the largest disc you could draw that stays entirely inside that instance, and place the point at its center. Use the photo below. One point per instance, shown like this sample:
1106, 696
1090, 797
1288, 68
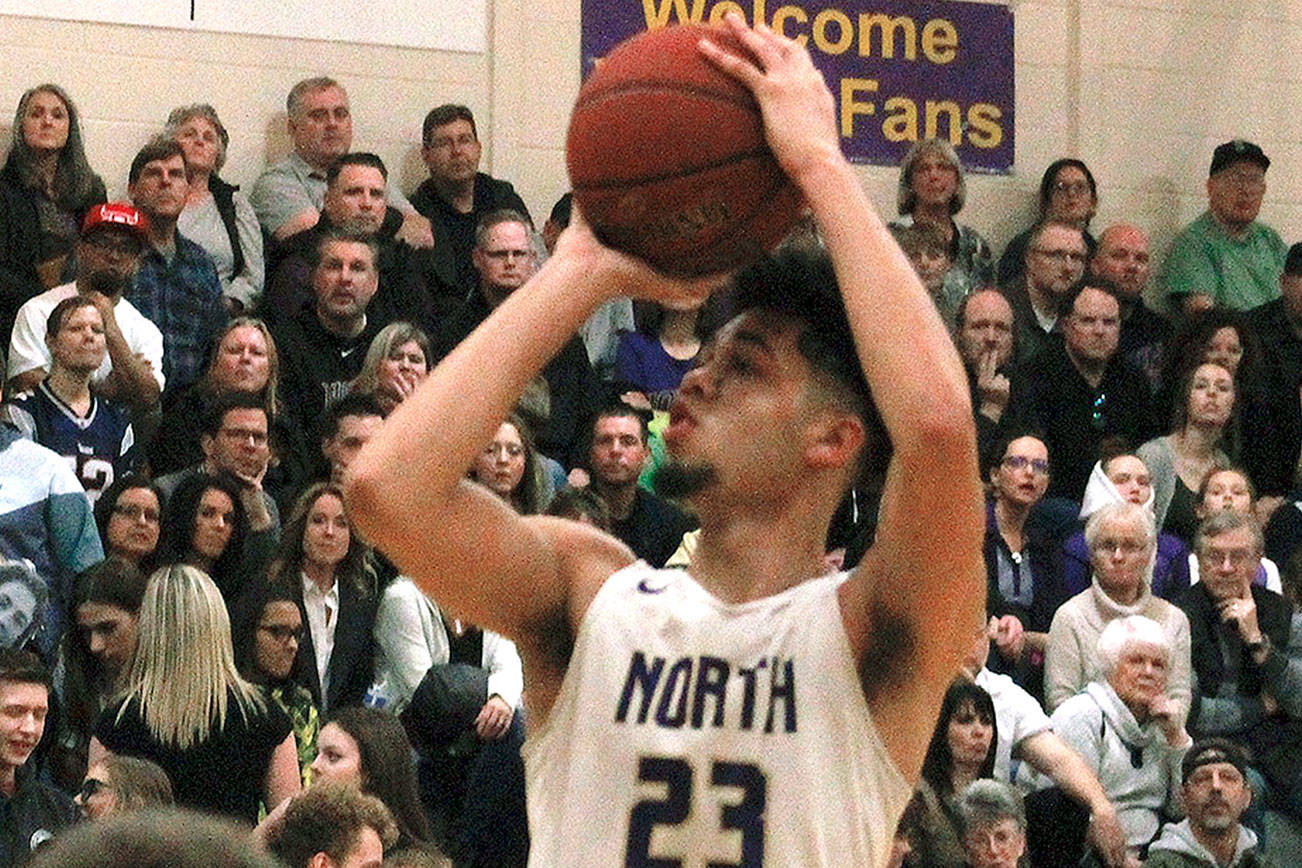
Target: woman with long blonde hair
186, 707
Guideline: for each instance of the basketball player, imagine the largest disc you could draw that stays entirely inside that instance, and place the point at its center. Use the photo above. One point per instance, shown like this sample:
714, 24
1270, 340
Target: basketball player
746, 711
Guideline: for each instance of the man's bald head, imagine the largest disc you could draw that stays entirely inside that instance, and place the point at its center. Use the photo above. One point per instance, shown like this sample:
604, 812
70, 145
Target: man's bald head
1122, 257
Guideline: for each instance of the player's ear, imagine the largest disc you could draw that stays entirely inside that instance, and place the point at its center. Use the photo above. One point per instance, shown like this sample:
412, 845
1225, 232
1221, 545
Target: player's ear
835, 438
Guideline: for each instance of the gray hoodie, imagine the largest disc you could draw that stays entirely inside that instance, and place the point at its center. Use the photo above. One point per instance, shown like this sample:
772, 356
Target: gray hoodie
1178, 848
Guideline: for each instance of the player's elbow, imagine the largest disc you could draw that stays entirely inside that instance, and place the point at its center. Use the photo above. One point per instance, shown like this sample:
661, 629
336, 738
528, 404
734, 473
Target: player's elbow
945, 433
368, 495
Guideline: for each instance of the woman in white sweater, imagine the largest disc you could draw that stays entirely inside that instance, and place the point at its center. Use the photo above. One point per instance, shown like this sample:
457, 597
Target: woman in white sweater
1122, 540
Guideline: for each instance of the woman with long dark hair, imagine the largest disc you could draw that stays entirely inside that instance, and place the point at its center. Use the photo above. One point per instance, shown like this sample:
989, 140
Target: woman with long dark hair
97, 653
328, 568
266, 630
46, 188
962, 750
205, 526
369, 749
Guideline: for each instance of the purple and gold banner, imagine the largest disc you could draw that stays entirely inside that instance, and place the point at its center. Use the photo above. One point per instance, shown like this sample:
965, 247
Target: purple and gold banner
900, 70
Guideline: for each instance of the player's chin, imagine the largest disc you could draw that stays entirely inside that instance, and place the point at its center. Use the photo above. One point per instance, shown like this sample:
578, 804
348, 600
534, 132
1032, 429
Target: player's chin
677, 479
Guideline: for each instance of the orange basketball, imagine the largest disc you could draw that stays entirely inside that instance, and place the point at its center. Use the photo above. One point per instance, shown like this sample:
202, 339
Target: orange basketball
668, 161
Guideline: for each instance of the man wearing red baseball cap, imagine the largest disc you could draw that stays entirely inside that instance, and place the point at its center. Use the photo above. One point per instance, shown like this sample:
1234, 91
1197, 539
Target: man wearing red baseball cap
113, 237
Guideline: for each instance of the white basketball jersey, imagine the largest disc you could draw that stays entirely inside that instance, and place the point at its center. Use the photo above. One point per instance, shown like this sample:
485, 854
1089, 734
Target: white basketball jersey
691, 732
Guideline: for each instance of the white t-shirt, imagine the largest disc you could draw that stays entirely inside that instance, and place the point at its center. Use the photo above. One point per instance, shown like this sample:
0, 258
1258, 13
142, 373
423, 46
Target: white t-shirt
1017, 717
27, 349
691, 729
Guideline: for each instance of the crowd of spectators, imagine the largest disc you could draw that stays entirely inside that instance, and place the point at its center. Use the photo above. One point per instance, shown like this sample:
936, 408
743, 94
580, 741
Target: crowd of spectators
190, 373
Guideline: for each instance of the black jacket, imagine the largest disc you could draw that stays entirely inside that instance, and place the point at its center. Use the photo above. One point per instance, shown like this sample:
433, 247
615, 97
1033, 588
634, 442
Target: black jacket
35, 813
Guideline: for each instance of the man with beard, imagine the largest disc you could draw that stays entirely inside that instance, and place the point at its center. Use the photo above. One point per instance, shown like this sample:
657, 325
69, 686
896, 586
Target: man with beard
663, 696
108, 254
1215, 793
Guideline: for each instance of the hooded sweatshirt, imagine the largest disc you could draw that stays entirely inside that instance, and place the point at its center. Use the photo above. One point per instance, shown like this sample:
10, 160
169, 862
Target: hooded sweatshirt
1108, 737
1178, 848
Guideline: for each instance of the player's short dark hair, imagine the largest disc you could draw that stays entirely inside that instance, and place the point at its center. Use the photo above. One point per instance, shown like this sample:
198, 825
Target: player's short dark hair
347, 236
328, 819
442, 116
54, 322
351, 404
23, 667
216, 410
156, 149
356, 158
801, 284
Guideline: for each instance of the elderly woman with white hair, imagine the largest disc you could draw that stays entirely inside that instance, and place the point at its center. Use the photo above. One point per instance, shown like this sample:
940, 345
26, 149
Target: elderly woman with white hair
1119, 479
217, 216
1122, 539
1128, 729
931, 191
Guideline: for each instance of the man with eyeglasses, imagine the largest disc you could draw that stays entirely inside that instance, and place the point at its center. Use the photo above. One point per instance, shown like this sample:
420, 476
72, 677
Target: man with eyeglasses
1226, 257
1084, 391
504, 259
456, 194
1247, 673
1055, 261
235, 442
33, 811
108, 254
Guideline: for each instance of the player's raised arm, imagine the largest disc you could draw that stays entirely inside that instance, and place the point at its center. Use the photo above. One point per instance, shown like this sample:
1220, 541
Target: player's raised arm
921, 586
407, 487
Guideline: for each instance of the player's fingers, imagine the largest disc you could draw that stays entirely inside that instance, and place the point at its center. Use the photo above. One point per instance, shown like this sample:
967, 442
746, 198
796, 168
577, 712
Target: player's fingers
768, 47
743, 70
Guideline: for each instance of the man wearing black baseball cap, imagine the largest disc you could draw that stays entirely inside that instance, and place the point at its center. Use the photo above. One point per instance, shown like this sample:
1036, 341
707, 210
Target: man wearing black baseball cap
1226, 257
1215, 793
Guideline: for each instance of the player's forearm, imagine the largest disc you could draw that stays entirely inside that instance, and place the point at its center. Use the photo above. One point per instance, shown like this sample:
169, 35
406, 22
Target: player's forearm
900, 337
422, 452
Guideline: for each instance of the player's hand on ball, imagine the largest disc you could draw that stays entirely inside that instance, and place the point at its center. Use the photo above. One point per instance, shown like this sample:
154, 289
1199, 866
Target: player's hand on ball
626, 275
799, 111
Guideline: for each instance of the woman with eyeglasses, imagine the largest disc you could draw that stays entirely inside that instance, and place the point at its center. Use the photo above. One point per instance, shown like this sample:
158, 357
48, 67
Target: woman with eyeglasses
931, 191
1023, 563
1124, 478
266, 630
123, 783
1068, 194
95, 656
129, 517
1203, 414
1128, 728
1122, 540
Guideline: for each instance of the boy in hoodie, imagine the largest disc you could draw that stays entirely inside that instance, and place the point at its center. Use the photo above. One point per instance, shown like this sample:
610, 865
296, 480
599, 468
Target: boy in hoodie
1215, 793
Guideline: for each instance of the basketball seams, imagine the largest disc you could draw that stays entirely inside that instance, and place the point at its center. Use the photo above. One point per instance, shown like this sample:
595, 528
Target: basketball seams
672, 174
741, 99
